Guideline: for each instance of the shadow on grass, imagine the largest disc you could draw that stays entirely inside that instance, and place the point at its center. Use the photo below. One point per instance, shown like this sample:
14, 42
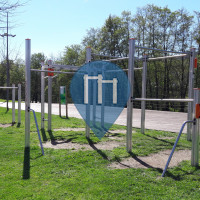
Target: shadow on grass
51, 135
26, 166
44, 136
162, 140
91, 143
18, 125
64, 117
54, 142
180, 177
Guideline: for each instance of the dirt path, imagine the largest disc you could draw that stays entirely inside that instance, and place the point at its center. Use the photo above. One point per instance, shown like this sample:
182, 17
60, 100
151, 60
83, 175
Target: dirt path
157, 160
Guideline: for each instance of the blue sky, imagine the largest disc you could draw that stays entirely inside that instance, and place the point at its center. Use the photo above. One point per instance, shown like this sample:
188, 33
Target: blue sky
51, 25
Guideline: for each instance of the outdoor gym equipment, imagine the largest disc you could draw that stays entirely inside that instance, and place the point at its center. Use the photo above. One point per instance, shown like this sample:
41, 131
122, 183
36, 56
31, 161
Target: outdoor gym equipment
131, 59
13, 88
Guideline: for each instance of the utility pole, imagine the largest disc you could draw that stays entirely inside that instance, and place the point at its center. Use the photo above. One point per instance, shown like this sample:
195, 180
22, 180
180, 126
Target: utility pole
7, 63
7, 68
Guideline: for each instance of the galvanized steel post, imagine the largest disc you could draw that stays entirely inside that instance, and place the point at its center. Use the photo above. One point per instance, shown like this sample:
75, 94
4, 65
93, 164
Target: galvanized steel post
87, 128
42, 97
195, 130
49, 100
190, 92
13, 104
27, 91
19, 103
130, 103
143, 103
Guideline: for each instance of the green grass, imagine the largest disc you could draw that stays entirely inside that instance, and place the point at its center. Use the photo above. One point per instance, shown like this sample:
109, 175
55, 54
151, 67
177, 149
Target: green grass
67, 174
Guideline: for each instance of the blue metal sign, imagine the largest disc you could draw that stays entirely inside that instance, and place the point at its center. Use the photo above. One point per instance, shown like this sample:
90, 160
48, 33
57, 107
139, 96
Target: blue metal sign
100, 91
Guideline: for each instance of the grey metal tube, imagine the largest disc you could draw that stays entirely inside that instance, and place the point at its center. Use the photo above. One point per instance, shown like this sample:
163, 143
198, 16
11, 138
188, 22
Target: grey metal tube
173, 149
49, 102
27, 91
166, 100
195, 131
19, 103
8, 87
13, 103
87, 128
190, 93
130, 103
59, 72
161, 50
38, 131
42, 98
143, 103
166, 57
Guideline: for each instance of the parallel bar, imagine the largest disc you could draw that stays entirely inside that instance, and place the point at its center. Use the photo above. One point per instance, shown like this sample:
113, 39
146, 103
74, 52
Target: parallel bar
108, 56
13, 104
65, 67
42, 97
130, 103
166, 57
19, 103
27, 92
87, 128
143, 103
195, 131
161, 50
166, 100
59, 72
190, 92
116, 59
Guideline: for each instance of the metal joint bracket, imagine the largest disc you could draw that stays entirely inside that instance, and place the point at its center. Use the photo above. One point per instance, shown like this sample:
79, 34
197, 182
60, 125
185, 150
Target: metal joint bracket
194, 121
132, 99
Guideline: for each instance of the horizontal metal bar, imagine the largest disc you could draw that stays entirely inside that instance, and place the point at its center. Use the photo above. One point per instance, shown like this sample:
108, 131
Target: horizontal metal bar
166, 57
59, 72
139, 68
161, 50
108, 56
65, 67
116, 59
8, 87
166, 100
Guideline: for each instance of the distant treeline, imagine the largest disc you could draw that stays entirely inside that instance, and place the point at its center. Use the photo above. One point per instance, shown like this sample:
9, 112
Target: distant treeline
153, 27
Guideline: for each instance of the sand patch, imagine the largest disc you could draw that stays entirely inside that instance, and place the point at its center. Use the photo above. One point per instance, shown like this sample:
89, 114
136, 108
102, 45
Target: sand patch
83, 129
157, 160
5, 125
61, 144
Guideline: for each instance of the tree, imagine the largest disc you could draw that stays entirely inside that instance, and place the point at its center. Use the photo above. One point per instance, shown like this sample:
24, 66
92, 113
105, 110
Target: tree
36, 59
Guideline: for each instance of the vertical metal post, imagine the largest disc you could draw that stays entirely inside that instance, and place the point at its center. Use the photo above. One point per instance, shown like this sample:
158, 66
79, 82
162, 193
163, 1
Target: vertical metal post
13, 103
60, 101
87, 128
190, 93
42, 97
19, 103
27, 92
49, 101
130, 103
195, 130
66, 102
143, 103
